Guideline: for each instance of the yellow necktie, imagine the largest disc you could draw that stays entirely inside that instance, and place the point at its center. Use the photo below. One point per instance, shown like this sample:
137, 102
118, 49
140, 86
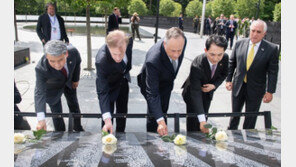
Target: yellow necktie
250, 59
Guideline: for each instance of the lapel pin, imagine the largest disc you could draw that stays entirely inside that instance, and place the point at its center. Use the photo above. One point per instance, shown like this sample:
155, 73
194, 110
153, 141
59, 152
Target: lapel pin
262, 49
70, 62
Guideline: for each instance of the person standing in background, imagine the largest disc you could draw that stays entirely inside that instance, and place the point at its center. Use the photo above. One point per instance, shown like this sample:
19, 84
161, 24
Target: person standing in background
135, 25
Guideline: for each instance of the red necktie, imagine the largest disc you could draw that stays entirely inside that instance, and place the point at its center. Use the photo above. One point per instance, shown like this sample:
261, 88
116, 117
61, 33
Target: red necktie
64, 72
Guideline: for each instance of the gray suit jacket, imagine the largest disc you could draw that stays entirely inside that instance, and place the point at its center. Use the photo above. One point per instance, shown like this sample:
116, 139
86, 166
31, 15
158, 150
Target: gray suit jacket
50, 83
265, 65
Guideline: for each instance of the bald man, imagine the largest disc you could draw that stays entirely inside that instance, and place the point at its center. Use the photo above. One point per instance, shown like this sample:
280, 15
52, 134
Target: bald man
156, 79
255, 60
113, 63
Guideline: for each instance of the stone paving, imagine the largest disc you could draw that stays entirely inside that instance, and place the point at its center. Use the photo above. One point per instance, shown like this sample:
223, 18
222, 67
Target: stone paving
25, 79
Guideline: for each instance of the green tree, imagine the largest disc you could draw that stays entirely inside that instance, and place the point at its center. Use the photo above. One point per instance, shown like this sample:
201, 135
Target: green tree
194, 8
184, 4
137, 6
267, 13
222, 6
248, 8
166, 7
177, 11
208, 11
277, 12
104, 8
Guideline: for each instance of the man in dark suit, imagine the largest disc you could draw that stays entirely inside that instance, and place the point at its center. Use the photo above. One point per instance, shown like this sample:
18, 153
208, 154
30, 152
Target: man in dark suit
57, 73
208, 25
113, 63
207, 72
180, 21
19, 122
51, 26
231, 26
114, 20
254, 61
221, 25
157, 76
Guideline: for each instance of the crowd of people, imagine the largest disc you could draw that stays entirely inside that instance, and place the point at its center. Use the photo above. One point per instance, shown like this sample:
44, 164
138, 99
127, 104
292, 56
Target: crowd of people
250, 72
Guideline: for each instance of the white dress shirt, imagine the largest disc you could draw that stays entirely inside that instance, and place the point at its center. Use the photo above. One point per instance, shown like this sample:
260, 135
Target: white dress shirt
55, 28
256, 47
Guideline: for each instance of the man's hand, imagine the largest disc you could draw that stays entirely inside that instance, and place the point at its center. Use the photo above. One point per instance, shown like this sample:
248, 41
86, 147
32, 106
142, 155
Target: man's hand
108, 126
162, 128
202, 128
267, 97
229, 86
43, 41
208, 87
41, 125
75, 85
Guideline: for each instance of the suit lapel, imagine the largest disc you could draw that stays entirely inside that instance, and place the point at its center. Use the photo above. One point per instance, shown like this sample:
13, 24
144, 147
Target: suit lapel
207, 68
244, 49
259, 53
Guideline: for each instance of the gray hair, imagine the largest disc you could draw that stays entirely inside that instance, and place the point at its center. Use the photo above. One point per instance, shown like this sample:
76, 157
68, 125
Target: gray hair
260, 22
173, 32
55, 48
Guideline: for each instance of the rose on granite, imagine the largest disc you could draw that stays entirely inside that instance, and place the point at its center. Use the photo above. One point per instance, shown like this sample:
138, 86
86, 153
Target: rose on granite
109, 148
109, 139
222, 146
19, 138
180, 140
221, 136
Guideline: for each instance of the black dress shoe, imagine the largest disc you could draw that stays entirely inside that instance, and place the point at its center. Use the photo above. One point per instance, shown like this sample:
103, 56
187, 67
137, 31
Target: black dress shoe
78, 129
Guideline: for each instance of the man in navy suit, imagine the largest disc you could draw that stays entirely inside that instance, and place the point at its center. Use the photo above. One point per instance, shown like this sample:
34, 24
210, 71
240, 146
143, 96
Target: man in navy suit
252, 75
207, 72
51, 26
114, 20
57, 73
231, 26
157, 76
113, 63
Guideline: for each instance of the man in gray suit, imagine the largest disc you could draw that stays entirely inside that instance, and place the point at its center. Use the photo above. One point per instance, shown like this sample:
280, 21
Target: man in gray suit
254, 60
57, 73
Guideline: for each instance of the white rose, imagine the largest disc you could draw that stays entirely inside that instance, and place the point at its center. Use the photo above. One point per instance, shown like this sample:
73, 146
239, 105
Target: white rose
109, 139
109, 148
221, 136
180, 140
19, 138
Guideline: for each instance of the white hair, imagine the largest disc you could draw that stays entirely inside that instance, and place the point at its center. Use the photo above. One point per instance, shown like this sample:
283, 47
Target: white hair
260, 22
55, 48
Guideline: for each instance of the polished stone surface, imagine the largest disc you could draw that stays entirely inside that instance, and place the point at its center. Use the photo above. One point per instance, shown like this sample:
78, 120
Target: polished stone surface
243, 148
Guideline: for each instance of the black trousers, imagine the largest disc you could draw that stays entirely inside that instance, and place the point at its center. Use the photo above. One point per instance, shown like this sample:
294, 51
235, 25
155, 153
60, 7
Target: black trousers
152, 125
20, 123
230, 35
252, 102
192, 123
221, 31
72, 101
121, 106
135, 27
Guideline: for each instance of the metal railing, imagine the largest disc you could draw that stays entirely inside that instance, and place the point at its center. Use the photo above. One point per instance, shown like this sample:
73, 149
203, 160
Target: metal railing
176, 116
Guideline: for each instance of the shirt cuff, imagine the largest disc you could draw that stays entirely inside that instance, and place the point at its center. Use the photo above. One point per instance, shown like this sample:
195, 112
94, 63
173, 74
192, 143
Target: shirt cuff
106, 115
201, 118
159, 119
40, 116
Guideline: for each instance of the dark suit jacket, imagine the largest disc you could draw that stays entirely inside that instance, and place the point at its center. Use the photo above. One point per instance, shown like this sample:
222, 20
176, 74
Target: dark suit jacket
228, 30
50, 83
265, 64
17, 98
44, 28
221, 21
200, 74
157, 77
110, 75
113, 24
208, 24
